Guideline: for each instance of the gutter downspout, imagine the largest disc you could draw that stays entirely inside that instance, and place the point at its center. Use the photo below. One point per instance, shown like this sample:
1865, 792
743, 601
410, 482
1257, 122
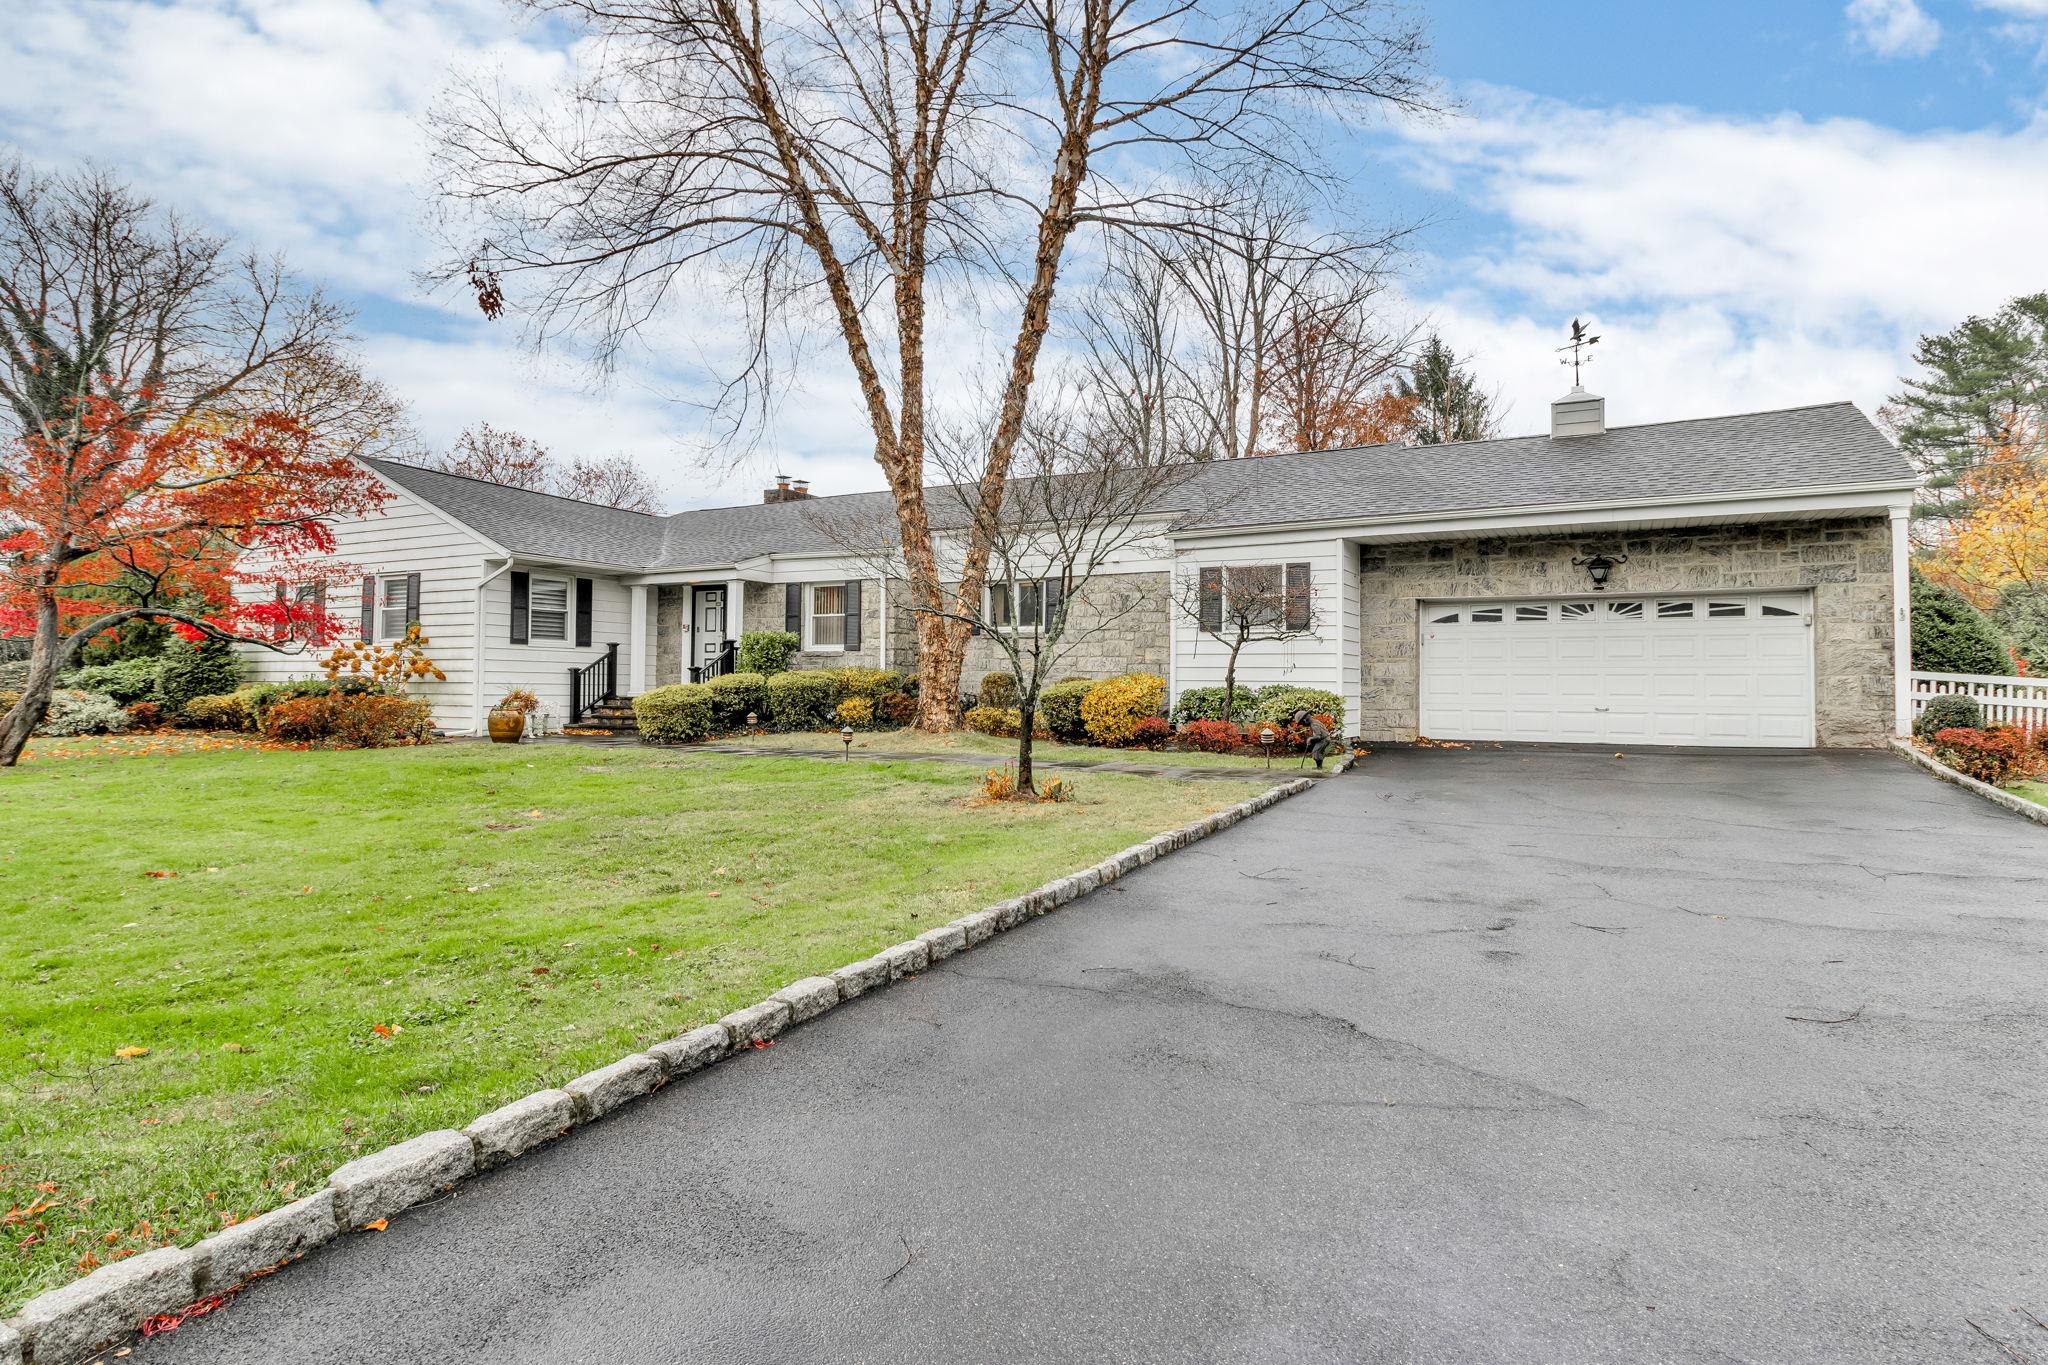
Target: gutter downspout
477, 659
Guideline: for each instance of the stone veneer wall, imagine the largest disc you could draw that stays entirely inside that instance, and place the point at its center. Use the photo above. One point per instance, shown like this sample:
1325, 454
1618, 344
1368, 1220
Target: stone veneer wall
671, 620
1846, 564
1118, 624
764, 611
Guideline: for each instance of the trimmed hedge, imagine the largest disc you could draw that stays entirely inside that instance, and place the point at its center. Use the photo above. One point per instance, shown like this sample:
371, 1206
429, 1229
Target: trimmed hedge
1001, 721
229, 711
1998, 756
767, 651
1949, 711
345, 721
734, 695
1206, 703
1113, 707
866, 682
1059, 706
675, 714
997, 689
1279, 702
803, 700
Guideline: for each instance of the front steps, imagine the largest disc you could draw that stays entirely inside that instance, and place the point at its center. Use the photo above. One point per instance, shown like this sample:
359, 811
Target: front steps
614, 716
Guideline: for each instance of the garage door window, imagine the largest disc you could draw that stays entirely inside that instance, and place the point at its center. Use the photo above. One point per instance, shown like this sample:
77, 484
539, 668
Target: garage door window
1674, 611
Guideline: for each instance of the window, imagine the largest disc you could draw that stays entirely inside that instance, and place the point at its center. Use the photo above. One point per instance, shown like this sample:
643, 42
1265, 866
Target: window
1533, 613
548, 609
1632, 610
1031, 601
1674, 611
1255, 593
1727, 609
827, 616
1770, 610
1449, 620
1486, 616
397, 612
1573, 611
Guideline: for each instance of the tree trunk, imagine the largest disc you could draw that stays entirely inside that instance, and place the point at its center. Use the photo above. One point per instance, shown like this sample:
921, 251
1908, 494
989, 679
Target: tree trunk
941, 652
28, 713
1230, 683
1027, 714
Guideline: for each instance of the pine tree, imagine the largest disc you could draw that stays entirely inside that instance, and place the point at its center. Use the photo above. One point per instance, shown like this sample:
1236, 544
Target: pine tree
2022, 613
1951, 636
1984, 384
1449, 404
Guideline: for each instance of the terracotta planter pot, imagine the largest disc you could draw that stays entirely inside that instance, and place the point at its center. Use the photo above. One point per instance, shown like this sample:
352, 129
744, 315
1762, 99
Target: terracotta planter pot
507, 727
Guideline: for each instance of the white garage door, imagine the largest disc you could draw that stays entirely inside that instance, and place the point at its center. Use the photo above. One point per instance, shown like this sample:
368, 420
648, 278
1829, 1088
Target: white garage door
1734, 669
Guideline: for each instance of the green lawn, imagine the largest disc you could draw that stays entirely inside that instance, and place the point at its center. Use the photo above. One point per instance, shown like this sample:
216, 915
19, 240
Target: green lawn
998, 750
2037, 792
327, 952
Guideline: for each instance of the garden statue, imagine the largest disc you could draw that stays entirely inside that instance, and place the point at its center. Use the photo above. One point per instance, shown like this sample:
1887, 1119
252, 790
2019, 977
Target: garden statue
1318, 734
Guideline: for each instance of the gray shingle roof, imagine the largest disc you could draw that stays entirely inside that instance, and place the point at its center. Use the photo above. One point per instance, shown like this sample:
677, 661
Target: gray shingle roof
1828, 445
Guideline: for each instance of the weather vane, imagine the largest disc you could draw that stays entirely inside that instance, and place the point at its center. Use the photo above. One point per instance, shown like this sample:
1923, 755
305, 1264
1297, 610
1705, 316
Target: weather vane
1578, 346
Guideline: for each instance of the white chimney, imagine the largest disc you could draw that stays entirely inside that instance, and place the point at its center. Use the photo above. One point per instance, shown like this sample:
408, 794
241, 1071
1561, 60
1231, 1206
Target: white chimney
1578, 413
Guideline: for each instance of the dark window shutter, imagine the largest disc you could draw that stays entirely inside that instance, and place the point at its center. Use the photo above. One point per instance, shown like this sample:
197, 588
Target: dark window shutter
586, 598
369, 607
412, 599
793, 609
522, 584
1295, 595
850, 599
1051, 591
1209, 595
279, 631
320, 596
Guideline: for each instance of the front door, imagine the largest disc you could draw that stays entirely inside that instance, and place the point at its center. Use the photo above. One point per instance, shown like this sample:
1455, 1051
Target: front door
708, 629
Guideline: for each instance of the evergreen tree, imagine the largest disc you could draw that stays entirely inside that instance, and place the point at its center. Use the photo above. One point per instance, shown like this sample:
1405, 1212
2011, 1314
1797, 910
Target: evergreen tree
1951, 636
1449, 404
2022, 613
1984, 385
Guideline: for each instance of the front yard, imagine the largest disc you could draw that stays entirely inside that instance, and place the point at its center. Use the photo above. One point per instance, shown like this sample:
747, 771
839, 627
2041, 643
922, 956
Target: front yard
999, 750
224, 973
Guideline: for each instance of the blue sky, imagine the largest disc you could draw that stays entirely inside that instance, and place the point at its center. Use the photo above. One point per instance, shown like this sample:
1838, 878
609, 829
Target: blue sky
1757, 203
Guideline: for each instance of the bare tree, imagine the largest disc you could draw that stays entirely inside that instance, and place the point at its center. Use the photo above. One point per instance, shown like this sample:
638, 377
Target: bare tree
504, 457
1240, 605
849, 163
1326, 376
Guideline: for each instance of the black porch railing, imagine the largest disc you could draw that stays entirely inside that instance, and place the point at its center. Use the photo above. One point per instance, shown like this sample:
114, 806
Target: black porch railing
593, 683
728, 661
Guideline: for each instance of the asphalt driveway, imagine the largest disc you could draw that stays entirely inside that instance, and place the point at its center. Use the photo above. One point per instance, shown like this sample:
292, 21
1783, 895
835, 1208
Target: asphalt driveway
1468, 1056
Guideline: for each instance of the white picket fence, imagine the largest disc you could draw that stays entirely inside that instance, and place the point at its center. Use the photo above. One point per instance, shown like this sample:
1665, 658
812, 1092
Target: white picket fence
2005, 701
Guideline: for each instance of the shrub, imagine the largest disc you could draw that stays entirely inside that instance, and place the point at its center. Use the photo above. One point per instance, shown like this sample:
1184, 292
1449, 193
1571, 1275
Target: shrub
676, 714
1209, 737
1204, 703
9, 699
802, 700
348, 721
1060, 707
1949, 711
145, 715
1278, 703
909, 684
84, 713
391, 664
260, 697
734, 696
767, 652
1998, 756
897, 708
228, 712
997, 689
2022, 613
1951, 636
867, 682
126, 682
999, 784
1056, 788
14, 674
859, 712
1152, 732
207, 669
994, 720
1113, 707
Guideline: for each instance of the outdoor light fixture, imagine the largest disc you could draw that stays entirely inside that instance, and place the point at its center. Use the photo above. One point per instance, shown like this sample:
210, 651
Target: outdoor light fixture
752, 720
1598, 567
1266, 738
846, 738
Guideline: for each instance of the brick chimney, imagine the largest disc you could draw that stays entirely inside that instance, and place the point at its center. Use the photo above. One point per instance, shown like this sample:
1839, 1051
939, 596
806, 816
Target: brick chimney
785, 492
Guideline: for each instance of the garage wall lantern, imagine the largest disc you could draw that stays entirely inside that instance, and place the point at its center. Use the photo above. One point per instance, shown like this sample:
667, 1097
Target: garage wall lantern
1599, 567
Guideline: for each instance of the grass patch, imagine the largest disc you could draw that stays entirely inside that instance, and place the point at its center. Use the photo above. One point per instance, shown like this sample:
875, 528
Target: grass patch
2036, 792
999, 750
324, 953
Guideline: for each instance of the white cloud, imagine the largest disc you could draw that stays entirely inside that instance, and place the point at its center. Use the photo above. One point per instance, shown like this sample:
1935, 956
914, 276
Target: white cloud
1733, 264
1893, 28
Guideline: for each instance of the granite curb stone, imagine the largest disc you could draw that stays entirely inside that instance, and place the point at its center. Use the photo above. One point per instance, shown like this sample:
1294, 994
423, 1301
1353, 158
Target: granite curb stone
382, 1183
256, 1244
517, 1128
71, 1321
808, 997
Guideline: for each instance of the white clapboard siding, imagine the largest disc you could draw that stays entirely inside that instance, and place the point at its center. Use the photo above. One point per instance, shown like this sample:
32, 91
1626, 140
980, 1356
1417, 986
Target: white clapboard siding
2004, 701
542, 666
1328, 659
406, 536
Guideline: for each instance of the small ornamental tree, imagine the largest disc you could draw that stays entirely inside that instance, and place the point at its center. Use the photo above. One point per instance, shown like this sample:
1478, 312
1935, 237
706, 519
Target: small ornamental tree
1247, 604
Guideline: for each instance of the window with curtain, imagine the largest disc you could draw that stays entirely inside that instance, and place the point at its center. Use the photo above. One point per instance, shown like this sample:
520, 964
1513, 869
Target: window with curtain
548, 609
827, 618
396, 611
1029, 598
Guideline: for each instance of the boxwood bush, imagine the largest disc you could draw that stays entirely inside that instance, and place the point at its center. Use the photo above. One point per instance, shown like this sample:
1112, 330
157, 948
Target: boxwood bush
1949, 711
866, 682
1278, 703
767, 651
736, 694
229, 711
676, 714
996, 689
1113, 707
1059, 706
802, 700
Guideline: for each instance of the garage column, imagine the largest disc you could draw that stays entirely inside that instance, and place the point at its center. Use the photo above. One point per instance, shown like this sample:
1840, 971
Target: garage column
1902, 623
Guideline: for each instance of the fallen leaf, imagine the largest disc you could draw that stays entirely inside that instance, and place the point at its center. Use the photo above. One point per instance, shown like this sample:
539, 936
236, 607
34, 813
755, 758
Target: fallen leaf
131, 1052
236, 1047
381, 1030
159, 874
377, 1226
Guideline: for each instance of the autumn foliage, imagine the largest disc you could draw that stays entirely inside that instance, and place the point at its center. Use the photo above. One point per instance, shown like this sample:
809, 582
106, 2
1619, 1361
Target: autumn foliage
2003, 536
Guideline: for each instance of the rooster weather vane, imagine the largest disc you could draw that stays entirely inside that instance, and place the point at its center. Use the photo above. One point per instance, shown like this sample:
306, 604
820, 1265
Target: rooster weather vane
1580, 343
